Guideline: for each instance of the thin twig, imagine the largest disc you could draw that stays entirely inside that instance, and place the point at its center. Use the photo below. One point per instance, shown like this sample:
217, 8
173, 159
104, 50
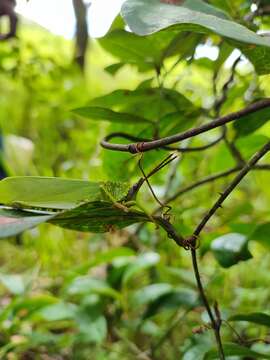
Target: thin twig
245, 170
155, 144
210, 179
123, 135
215, 324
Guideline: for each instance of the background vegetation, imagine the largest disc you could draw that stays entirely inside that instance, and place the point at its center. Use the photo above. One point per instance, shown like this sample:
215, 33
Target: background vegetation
131, 293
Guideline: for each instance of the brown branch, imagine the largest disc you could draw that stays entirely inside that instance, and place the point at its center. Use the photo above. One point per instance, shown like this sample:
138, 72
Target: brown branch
245, 170
80, 10
214, 322
155, 144
127, 136
211, 178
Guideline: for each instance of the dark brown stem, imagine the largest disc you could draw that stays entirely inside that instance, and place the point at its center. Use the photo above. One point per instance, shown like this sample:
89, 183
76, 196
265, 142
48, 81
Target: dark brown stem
127, 136
80, 10
155, 144
210, 179
214, 322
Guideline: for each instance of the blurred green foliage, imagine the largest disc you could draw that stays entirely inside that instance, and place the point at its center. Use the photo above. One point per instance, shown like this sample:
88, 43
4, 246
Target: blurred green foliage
130, 294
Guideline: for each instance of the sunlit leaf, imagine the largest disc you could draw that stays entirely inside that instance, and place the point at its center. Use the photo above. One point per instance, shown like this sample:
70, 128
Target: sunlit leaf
14, 222
231, 248
56, 193
148, 17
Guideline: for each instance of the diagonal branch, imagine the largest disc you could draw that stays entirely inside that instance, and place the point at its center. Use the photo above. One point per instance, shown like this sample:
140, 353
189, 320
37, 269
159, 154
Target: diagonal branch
211, 178
245, 170
134, 148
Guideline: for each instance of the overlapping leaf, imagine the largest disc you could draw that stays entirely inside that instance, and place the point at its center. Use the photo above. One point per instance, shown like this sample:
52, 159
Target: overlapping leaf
72, 204
148, 17
140, 106
98, 217
148, 53
13, 222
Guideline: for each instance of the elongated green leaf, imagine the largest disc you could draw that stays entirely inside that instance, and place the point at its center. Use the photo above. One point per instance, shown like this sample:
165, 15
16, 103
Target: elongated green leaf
252, 122
231, 248
255, 318
130, 48
98, 217
14, 222
99, 113
147, 17
151, 293
185, 298
124, 98
56, 193
57, 312
143, 102
231, 349
87, 285
86, 206
148, 52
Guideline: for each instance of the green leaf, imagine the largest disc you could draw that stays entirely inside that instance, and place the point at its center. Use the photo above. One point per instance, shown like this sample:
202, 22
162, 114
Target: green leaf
231, 248
99, 210
262, 234
32, 304
124, 98
255, 318
231, 349
252, 122
172, 300
99, 113
98, 217
91, 323
114, 68
87, 285
14, 283
105, 258
143, 102
249, 145
132, 49
14, 222
57, 312
148, 17
55, 193
150, 293
148, 52
141, 263
175, 122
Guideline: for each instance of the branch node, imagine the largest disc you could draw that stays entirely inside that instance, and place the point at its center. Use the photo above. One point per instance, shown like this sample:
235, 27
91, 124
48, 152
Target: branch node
191, 242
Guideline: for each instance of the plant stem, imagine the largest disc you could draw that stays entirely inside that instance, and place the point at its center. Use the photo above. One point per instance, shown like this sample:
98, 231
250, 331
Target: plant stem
248, 167
135, 148
214, 322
